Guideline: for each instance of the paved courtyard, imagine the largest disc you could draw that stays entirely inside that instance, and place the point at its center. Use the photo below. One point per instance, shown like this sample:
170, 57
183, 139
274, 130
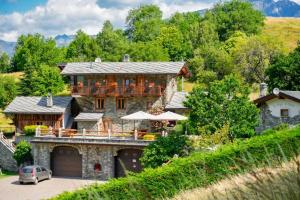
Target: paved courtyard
10, 189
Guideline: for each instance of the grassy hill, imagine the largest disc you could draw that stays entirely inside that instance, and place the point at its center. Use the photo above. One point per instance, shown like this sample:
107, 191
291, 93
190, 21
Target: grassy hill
286, 29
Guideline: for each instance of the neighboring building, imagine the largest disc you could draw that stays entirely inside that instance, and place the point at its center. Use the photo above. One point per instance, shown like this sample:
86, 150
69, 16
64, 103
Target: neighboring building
277, 108
49, 111
102, 93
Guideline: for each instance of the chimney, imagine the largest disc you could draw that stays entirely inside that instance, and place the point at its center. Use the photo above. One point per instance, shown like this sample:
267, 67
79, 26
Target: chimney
126, 58
98, 60
263, 89
49, 100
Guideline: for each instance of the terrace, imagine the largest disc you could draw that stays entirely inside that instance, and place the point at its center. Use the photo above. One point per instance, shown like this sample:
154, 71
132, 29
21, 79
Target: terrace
135, 138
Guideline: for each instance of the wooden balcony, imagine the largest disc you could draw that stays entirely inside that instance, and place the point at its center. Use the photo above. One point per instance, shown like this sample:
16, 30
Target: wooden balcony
115, 91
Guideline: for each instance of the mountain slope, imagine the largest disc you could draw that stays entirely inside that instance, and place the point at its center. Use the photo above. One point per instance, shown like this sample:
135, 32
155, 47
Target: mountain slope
281, 8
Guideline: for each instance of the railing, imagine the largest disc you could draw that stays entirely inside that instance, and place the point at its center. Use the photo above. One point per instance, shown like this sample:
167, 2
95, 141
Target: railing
73, 133
117, 91
7, 142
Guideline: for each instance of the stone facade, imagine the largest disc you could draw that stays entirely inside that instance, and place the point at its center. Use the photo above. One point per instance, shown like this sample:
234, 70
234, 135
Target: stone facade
7, 161
132, 104
92, 126
269, 120
91, 154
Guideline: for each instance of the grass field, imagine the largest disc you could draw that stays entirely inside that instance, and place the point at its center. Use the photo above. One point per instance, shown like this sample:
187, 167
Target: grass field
285, 29
5, 174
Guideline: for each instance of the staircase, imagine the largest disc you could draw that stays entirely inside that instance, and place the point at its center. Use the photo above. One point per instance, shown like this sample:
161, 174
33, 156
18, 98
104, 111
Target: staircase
7, 149
7, 143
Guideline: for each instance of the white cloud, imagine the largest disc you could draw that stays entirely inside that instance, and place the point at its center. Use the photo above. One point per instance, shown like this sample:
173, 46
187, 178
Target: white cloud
68, 16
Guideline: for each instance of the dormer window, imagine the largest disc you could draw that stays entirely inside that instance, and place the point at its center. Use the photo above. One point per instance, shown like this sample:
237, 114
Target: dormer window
284, 113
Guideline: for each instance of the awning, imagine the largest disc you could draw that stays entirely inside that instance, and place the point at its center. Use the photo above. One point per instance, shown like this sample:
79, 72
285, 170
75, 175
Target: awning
88, 117
169, 116
140, 115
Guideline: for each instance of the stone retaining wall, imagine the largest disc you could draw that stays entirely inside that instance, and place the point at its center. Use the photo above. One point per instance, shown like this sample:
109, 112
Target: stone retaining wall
7, 161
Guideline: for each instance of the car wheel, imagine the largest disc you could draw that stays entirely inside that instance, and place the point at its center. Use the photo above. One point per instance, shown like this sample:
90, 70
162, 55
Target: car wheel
36, 181
49, 177
21, 183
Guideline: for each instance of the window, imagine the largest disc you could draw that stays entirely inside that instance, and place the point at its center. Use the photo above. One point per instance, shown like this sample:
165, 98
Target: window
39, 123
99, 103
284, 112
97, 167
120, 103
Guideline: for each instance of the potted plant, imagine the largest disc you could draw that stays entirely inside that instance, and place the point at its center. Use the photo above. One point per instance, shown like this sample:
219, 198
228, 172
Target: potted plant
80, 84
97, 84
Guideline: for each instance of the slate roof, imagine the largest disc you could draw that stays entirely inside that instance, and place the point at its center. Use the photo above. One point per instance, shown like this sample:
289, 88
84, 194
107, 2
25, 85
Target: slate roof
87, 117
285, 94
295, 94
81, 68
37, 105
177, 101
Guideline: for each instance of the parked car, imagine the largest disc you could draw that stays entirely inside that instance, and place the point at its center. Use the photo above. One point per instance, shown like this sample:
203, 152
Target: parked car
34, 174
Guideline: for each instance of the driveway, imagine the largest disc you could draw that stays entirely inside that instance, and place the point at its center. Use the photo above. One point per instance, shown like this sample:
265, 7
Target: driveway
10, 189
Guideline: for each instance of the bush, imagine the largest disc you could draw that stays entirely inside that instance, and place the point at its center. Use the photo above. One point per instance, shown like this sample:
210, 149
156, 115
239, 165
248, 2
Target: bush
164, 148
23, 153
198, 170
30, 129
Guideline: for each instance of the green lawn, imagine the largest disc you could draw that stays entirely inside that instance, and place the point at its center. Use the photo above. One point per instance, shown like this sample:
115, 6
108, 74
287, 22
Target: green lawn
7, 174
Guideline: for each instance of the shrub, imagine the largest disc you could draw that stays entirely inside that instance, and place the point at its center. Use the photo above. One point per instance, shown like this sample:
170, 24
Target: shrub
198, 170
164, 149
22, 153
30, 129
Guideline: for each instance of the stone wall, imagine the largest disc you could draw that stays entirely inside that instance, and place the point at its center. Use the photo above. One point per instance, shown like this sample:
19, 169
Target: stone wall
267, 120
93, 126
7, 161
91, 154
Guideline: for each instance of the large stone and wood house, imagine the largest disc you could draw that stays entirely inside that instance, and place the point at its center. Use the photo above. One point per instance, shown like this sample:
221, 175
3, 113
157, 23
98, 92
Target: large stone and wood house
102, 93
278, 107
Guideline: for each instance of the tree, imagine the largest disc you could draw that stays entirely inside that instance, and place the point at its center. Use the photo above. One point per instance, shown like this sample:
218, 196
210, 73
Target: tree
34, 50
164, 149
22, 153
213, 60
41, 81
284, 73
254, 55
5, 65
8, 90
148, 51
143, 23
235, 15
189, 25
224, 102
112, 42
83, 48
171, 39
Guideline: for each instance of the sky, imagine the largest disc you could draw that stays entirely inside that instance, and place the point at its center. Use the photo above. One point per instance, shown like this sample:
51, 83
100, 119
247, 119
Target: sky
54, 17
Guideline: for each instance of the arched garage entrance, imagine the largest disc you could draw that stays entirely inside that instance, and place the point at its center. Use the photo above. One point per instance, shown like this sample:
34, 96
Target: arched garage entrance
66, 161
127, 159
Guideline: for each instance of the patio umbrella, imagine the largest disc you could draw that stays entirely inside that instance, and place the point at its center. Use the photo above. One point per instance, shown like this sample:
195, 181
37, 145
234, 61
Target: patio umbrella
169, 116
137, 116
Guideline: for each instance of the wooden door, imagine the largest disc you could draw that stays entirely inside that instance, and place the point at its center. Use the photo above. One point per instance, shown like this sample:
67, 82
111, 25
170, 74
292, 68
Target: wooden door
107, 124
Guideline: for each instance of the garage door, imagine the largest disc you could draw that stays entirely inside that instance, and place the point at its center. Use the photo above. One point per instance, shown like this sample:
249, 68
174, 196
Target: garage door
127, 159
66, 161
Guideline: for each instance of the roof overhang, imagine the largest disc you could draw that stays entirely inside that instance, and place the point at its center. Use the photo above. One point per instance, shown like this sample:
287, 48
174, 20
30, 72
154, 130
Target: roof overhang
88, 117
260, 101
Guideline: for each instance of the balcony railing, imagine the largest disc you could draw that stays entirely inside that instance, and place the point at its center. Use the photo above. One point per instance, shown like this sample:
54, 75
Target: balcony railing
117, 91
111, 135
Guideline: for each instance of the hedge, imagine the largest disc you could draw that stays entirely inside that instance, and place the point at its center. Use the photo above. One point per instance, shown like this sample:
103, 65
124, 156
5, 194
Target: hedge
197, 170
29, 130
